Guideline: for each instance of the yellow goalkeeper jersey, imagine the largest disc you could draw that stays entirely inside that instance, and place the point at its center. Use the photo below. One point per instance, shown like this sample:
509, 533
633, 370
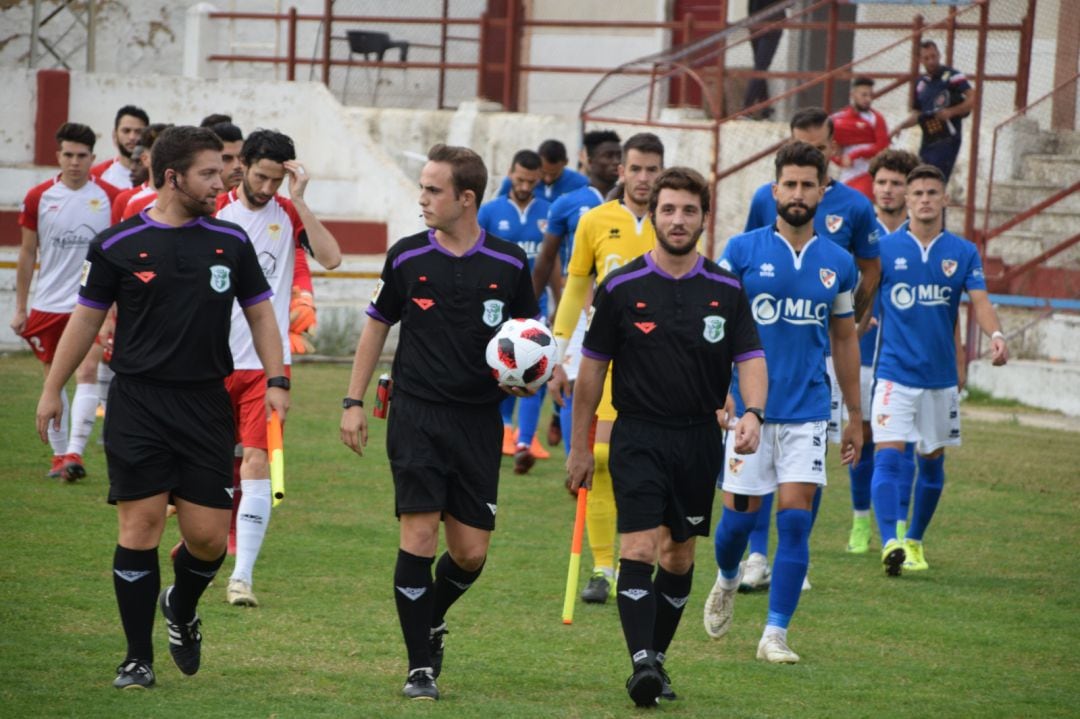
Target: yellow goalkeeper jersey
607, 237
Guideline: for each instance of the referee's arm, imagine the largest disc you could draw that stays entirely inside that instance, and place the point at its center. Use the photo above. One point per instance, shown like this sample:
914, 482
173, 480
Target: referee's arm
267, 339
354, 431
76, 341
587, 391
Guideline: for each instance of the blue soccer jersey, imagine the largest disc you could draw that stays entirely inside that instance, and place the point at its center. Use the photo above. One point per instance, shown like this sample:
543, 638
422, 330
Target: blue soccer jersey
525, 228
844, 216
568, 181
793, 298
564, 215
920, 301
868, 342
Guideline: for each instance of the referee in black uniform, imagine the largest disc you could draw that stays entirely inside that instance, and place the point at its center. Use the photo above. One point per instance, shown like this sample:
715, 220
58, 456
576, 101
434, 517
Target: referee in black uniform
173, 272
450, 287
672, 323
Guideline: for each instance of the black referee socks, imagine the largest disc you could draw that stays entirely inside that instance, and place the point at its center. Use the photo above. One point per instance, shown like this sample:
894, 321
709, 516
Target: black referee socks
451, 581
637, 605
415, 599
193, 576
672, 593
137, 581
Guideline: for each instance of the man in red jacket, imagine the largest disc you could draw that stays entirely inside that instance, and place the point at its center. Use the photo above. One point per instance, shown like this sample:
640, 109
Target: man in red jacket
861, 133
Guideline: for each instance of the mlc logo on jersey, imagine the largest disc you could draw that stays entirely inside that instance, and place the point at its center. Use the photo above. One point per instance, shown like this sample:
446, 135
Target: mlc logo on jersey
219, 278
793, 310
714, 328
948, 267
833, 223
904, 296
493, 313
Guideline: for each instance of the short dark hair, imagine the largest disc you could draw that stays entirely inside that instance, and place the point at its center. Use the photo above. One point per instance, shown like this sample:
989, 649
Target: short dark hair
151, 133
862, 81
466, 168
176, 148
552, 151
596, 138
215, 119
801, 154
680, 178
527, 159
927, 43
645, 142
227, 131
926, 172
76, 132
267, 145
810, 117
133, 111
900, 161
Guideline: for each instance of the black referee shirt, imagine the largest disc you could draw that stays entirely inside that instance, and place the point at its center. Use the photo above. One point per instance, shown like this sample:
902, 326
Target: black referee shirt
174, 289
671, 341
449, 307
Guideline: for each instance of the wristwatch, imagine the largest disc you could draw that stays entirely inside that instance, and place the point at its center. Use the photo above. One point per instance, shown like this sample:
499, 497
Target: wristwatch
279, 382
350, 402
757, 412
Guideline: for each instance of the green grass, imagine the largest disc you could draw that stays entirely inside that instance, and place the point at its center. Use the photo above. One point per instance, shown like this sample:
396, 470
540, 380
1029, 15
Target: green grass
990, 631
981, 398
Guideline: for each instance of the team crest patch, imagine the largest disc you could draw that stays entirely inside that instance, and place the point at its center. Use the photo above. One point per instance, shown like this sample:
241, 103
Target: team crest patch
833, 223
541, 225
493, 313
274, 230
714, 328
94, 204
948, 267
828, 277
376, 292
219, 278
85, 273
735, 465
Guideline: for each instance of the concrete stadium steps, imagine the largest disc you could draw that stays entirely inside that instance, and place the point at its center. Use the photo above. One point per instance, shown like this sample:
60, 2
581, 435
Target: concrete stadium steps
1026, 193
1018, 246
1061, 170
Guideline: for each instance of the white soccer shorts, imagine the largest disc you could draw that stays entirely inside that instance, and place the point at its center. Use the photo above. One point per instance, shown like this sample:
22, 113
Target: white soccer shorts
572, 358
786, 453
836, 403
930, 417
866, 389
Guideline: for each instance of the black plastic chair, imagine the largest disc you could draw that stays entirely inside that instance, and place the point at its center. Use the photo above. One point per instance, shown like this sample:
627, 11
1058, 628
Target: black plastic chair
367, 43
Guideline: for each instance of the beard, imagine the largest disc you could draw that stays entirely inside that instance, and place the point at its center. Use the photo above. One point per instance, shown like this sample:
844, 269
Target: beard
675, 250
252, 196
785, 211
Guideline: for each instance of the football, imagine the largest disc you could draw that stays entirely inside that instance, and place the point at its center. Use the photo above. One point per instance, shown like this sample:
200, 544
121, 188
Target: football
522, 354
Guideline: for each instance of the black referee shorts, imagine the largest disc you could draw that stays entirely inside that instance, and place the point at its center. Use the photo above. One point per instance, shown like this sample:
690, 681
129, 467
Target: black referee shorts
665, 475
169, 439
445, 458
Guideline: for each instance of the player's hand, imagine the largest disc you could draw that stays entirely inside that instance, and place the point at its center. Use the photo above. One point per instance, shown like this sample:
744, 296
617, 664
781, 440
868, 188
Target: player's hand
49, 410
943, 115
518, 391
277, 399
579, 470
747, 434
999, 351
727, 414
852, 440
298, 179
559, 386
18, 322
354, 429
865, 325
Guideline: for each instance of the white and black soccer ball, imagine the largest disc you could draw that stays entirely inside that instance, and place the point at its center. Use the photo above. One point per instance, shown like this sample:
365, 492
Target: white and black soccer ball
522, 354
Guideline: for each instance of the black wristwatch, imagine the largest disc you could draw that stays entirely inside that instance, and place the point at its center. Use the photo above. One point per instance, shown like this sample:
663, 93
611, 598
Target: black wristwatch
350, 402
279, 382
757, 412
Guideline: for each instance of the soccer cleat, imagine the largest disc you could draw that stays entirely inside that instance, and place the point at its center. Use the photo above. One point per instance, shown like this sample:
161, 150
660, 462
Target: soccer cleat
421, 685
859, 540
597, 590
774, 649
73, 467
755, 573
185, 641
238, 593
509, 446
892, 556
666, 692
720, 609
57, 468
914, 560
538, 449
646, 683
134, 674
524, 459
437, 647
554, 431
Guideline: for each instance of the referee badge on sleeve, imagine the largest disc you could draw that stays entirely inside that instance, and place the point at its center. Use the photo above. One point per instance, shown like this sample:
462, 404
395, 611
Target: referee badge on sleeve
219, 278
714, 328
85, 273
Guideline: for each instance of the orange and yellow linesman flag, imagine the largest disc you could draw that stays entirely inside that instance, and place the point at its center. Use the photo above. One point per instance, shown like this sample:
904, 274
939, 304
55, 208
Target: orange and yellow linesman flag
575, 558
276, 450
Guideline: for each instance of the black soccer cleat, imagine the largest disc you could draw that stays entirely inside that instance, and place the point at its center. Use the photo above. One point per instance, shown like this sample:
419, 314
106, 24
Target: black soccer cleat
597, 590
134, 674
666, 692
646, 683
185, 641
421, 685
437, 647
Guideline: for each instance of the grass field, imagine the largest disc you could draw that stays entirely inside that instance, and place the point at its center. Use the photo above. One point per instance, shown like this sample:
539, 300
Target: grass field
992, 630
